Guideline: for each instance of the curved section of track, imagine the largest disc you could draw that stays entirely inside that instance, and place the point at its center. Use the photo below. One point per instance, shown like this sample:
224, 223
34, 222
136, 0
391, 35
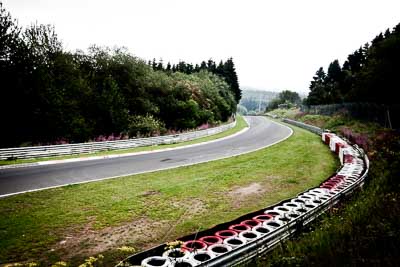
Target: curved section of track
262, 133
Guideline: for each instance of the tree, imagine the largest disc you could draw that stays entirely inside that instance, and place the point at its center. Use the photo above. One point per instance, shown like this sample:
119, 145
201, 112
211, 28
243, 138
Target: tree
168, 68
211, 67
40, 99
370, 74
317, 93
356, 60
160, 65
334, 72
145, 126
289, 96
229, 73
203, 65
274, 104
284, 97
378, 39
377, 80
49, 94
9, 35
334, 81
12, 53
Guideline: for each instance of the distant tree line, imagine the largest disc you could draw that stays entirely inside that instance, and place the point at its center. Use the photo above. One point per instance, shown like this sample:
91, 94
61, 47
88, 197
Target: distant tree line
255, 101
370, 74
225, 70
49, 94
286, 97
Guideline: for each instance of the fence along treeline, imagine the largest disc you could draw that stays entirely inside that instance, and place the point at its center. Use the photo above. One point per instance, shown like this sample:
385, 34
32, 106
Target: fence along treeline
370, 74
48, 94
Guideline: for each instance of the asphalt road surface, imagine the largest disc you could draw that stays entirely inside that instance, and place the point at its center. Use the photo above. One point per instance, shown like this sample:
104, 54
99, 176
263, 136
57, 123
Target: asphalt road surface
262, 133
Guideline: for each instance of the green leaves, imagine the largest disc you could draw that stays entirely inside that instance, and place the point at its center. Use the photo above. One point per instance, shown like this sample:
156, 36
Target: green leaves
52, 96
370, 74
145, 125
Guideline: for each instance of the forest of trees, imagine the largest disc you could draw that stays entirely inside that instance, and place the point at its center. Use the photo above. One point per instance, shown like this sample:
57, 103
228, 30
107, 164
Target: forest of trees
50, 95
223, 69
287, 97
255, 101
370, 74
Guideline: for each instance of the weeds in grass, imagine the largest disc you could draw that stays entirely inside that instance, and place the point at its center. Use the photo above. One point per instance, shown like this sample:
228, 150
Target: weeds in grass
59, 264
93, 261
173, 245
126, 249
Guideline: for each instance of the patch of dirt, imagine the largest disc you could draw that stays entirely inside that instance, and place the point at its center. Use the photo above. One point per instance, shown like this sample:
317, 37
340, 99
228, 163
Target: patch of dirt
247, 190
150, 193
241, 194
142, 233
191, 206
88, 241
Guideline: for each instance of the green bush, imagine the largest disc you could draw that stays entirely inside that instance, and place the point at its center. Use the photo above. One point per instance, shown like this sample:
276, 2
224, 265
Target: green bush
145, 126
77, 96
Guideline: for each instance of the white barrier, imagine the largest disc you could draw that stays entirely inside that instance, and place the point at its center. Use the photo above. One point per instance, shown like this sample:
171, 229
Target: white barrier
289, 216
311, 128
91, 147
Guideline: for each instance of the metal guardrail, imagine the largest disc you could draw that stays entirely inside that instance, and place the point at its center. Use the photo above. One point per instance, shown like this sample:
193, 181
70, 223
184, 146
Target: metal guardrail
266, 243
311, 128
91, 147
353, 174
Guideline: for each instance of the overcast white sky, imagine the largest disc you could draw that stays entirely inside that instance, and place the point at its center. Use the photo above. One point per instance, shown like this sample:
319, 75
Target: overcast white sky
275, 45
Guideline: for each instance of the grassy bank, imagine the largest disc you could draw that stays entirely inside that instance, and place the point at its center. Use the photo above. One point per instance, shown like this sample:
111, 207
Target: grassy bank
74, 222
365, 230
240, 125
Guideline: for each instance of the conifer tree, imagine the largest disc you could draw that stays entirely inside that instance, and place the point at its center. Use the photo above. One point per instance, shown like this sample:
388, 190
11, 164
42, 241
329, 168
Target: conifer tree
232, 79
168, 68
334, 81
203, 65
317, 93
160, 65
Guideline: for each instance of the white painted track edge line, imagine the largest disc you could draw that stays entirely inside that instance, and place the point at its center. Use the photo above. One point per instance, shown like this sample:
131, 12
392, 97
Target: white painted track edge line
160, 169
64, 161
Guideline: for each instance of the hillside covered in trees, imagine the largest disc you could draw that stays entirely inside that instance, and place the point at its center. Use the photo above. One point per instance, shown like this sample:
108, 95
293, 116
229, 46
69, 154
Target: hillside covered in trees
49, 95
287, 98
254, 101
370, 74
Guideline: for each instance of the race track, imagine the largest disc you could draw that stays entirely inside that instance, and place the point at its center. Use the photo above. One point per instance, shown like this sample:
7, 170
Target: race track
262, 133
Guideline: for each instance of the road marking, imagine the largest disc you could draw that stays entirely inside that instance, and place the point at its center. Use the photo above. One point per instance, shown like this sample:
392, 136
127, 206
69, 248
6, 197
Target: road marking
62, 161
166, 168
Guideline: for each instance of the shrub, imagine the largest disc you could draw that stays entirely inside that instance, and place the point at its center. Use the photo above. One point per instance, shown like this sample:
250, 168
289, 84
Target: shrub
145, 126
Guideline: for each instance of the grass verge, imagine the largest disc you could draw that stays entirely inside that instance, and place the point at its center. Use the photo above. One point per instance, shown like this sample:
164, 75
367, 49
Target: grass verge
240, 125
74, 222
284, 113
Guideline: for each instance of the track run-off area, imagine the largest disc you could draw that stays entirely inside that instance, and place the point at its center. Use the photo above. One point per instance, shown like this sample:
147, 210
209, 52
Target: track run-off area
261, 133
71, 223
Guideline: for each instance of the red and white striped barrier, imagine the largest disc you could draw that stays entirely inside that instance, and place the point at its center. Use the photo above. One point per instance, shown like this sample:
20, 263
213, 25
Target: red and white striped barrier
277, 222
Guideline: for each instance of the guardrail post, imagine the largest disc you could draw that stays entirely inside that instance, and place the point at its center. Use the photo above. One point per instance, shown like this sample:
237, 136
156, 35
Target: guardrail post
92, 147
